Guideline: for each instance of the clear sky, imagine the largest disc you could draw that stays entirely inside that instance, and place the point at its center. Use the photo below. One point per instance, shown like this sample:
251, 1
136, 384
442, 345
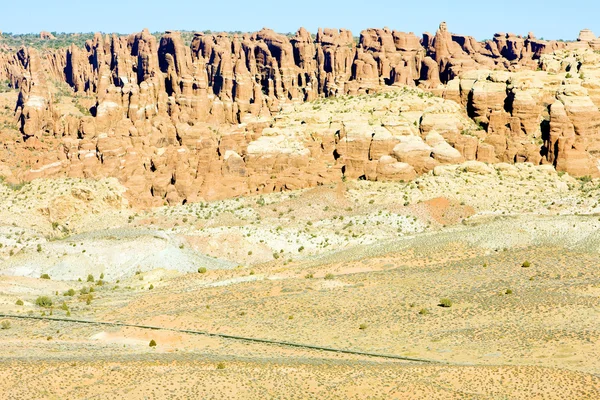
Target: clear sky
550, 19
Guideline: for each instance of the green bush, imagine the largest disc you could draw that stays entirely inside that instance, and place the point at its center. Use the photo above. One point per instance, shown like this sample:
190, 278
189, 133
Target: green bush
445, 303
202, 270
43, 301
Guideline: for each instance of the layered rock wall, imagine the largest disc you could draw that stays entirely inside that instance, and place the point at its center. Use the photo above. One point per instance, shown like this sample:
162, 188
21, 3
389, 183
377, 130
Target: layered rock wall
180, 123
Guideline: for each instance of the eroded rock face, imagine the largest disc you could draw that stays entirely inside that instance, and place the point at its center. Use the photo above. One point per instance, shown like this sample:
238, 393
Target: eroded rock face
213, 119
586, 35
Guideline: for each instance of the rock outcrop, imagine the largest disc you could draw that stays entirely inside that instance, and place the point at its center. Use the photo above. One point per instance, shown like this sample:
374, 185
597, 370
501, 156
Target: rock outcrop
177, 123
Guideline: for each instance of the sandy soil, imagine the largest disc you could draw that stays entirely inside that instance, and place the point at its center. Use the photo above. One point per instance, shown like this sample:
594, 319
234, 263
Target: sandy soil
361, 266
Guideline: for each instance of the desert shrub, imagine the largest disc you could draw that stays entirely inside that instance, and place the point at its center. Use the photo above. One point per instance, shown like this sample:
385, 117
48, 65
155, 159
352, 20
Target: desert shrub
19, 302
309, 276
5, 324
526, 264
362, 327
151, 287
39, 248
90, 278
329, 276
43, 301
152, 343
445, 303
509, 291
202, 270
423, 311
70, 292
44, 276
84, 290
300, 249
275, 255
221, 365
64, 306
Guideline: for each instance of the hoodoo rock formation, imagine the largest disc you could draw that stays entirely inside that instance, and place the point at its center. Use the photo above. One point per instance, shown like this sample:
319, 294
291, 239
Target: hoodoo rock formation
177, 123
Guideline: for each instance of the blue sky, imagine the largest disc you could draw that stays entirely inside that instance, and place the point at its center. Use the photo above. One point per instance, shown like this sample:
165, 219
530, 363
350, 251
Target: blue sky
550, 19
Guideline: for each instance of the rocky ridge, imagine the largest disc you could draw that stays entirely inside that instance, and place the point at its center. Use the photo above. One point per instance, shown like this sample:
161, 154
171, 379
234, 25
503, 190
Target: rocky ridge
255, 113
